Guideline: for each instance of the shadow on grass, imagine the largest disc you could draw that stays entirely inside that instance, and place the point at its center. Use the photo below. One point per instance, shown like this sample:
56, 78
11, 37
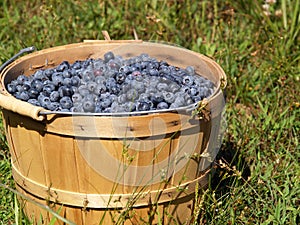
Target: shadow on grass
229, 164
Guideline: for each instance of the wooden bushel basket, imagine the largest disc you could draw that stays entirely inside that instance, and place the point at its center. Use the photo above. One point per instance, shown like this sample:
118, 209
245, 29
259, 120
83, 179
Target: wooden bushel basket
117, 168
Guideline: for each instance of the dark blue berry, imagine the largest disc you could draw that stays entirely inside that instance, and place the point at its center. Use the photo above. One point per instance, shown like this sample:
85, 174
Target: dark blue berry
11, 88
188, 80
76, 65
23, 95
54, 96
57, 78
45, 102
65, 91
63, 66
75, 81
33, 93
162, 105
143, 106
108, 56
21, 79
34, 101
48, 88
53, 106
37, 85
66, 102
156, 98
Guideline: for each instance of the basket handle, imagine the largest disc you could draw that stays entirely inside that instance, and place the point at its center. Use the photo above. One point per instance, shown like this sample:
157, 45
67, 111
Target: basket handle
9, 102
21, 52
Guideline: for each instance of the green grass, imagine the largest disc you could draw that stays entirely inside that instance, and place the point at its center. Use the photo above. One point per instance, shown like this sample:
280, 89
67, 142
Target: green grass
257, 179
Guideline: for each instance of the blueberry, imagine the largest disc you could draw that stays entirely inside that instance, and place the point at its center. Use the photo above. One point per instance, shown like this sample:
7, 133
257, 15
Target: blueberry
66, 102
107, 110
53, 106
108, 56
87, 62
47, 89
99, 89
164, 70
88, 75
136, 74
132, 94
100, 80
26, 86
174, 105
63, 66
57, 78
196, 98
122, 98
115, 89
34, 101
139, 86
76, 97
124, 69
33, 93
37, 85
76, 65
106, 102
129, 106
99, 68
65, 91
40, 75
169, 97
89, 97
67, 73
162, 87
144, 57
190, 70
180, 101
54, 96
74, 89
48, 72
45, 102
41, 96
188, 80
174, 87
193, 91
144, 97
88, 106
120, 78
67, 82
77, 109
23, 95
110, 82
83, 90
75, 81
114, 64
156, 98
143, 106
21, 79
91, 86
162, 105
153, 72
117, 108
11, 88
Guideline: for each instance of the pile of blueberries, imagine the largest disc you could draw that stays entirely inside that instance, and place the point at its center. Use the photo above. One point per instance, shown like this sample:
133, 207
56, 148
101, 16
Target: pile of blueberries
112, 84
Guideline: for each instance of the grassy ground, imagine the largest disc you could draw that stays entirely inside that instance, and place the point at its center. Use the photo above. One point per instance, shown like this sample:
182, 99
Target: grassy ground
258, 170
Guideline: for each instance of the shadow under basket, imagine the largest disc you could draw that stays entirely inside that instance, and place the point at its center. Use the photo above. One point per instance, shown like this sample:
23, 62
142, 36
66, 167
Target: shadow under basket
117, 168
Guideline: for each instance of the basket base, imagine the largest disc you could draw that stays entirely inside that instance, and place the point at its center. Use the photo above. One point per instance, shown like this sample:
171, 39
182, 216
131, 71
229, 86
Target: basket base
179, 211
